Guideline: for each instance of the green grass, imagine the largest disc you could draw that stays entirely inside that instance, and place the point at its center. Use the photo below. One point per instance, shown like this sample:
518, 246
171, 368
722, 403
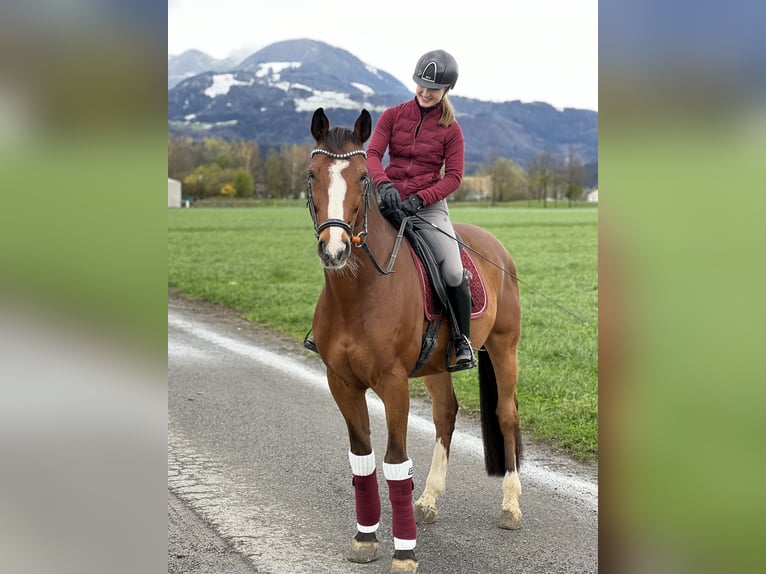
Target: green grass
263, 262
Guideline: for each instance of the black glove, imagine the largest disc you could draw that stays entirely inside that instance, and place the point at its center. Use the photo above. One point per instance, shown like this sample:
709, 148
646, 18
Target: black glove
390, 200
413, 204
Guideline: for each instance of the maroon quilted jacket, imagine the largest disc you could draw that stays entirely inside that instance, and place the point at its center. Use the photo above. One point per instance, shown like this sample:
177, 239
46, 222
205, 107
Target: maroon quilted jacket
417, 149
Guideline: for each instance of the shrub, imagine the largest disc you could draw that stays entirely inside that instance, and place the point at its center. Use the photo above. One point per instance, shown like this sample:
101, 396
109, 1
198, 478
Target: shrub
228, 190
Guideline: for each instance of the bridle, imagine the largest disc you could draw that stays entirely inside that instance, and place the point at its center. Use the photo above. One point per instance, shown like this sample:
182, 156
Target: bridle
359, 240
334, 222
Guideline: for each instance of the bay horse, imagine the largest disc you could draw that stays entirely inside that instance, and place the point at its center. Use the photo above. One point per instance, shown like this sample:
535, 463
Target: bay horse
368, 326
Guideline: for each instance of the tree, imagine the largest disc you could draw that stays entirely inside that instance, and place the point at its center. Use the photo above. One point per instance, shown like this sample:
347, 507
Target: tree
573, 176
228, 190
296, 159
508, 180
250, 159
181, 157
542, 175
274, 175
222, 152
206, 180
243, 183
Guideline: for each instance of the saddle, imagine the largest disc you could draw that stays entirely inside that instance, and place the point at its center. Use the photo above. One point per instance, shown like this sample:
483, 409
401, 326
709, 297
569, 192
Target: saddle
433, 306
436, 304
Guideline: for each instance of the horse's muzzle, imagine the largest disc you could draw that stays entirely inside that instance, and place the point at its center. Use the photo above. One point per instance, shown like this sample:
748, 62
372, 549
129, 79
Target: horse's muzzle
332, 251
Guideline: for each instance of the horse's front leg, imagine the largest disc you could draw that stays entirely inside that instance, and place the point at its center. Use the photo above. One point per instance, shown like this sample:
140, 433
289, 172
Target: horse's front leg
353, 406
444, 407
398, 471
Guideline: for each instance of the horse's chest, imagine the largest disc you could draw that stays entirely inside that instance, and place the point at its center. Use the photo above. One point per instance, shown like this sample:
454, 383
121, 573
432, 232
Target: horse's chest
364, 361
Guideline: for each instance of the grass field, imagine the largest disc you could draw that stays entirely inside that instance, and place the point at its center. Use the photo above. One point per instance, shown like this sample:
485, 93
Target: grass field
262, 261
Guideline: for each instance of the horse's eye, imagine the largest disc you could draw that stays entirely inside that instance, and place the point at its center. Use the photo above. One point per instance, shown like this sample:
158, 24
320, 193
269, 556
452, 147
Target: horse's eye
311, 175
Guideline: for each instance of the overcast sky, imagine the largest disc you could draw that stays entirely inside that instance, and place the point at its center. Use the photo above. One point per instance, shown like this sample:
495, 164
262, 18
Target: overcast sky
535, 50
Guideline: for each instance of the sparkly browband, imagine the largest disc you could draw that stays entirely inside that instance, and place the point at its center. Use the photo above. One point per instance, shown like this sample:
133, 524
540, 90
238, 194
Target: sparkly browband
346, 155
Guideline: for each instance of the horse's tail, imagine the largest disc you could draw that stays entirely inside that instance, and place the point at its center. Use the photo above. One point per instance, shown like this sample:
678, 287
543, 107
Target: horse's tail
494, 446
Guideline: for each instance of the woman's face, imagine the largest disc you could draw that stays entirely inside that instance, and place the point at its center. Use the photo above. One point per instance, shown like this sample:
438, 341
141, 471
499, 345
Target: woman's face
427, 97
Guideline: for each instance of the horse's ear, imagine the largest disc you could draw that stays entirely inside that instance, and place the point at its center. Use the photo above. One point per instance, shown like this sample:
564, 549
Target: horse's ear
363, 126
320, 125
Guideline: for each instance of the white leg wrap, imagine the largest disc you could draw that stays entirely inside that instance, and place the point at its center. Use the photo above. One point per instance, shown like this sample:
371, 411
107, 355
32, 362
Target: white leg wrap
362, 465
400, 544
400, 471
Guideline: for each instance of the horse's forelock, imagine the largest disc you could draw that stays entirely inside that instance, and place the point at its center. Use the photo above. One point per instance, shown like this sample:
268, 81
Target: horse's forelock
337, 137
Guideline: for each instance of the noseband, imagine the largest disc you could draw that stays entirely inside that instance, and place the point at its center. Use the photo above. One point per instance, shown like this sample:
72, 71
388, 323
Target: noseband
334, 222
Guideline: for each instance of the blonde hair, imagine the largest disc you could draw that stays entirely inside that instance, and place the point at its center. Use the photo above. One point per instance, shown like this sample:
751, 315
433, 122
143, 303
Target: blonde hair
448, 112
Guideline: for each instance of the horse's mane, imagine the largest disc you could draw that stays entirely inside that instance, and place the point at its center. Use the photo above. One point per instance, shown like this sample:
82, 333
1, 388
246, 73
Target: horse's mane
337, 137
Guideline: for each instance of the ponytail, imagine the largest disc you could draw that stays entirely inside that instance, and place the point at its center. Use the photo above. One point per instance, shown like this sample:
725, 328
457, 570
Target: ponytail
448, 112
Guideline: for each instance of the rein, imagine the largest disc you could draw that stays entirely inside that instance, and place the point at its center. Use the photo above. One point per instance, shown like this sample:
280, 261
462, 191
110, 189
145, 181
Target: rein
359, 240
503, 270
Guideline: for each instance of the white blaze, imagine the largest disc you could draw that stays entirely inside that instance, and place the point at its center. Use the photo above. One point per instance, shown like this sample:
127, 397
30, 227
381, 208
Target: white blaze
336, 195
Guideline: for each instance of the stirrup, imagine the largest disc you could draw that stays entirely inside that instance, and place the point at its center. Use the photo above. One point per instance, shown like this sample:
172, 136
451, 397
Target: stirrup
308, 343
460, 365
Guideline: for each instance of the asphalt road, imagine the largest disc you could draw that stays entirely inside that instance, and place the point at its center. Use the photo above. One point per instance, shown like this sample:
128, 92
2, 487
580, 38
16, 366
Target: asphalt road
259, 480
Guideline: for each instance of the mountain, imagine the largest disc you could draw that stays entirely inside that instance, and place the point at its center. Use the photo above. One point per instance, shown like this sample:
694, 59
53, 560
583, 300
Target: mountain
191, 63
271, 95
324, 68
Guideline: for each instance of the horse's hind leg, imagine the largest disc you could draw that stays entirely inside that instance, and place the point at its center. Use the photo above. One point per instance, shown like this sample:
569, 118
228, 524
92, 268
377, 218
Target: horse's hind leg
444, 408
502, 368
353, 406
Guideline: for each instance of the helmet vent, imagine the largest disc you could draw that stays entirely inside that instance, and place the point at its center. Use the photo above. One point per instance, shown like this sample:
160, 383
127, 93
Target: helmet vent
429, 72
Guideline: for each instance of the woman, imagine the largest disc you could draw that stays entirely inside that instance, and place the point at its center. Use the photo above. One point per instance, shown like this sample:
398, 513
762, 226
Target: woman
423, 138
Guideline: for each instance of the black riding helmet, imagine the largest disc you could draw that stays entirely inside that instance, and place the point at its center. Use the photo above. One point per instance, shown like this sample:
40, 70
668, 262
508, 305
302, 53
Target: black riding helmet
436, 69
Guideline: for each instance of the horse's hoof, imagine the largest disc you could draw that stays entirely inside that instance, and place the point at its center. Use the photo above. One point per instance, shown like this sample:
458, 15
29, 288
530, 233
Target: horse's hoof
509, 520
363, 552
403, 566
425, 514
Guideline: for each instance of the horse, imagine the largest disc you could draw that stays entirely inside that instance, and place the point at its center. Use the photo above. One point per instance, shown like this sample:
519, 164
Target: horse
368, 327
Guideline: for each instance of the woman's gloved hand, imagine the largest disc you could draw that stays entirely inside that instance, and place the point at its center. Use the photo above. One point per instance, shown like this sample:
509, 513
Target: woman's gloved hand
390, 200
413, 204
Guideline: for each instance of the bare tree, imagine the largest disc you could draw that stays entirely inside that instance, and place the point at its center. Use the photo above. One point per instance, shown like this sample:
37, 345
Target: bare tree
296, 160
573, 176
542, 175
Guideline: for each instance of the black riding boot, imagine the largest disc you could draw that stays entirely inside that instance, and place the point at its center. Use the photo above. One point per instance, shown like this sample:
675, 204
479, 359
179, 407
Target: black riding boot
460, 300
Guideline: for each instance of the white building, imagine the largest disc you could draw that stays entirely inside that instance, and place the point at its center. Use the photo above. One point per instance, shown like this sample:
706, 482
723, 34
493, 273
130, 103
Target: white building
592, 196
174, 193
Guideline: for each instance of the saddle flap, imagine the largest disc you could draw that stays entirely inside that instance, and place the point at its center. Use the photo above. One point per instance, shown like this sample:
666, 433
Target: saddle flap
432, 305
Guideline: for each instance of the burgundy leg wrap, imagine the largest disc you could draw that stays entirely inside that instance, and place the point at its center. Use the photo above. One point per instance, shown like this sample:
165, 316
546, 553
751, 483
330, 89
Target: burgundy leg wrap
402, 512
367, 499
